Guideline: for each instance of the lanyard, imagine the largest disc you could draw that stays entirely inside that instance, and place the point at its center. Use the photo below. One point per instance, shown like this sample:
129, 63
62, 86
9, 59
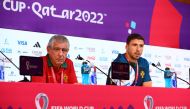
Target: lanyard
136, 73
136, 76
54, 77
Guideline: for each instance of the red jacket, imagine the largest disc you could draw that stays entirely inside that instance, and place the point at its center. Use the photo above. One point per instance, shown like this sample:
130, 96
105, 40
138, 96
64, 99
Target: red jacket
67, 69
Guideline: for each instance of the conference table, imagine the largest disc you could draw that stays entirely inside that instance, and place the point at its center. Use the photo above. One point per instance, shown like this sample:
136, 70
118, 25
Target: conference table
26, 95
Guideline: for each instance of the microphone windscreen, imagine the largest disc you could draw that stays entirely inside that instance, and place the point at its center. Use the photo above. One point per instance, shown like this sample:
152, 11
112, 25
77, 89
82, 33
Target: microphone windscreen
153, 65
79, 57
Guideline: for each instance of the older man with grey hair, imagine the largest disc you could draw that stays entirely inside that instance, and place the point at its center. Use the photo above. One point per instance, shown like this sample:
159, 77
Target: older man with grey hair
57, 68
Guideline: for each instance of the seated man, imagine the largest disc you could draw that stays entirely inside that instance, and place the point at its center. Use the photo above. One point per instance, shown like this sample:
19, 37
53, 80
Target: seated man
57, 68
134, 48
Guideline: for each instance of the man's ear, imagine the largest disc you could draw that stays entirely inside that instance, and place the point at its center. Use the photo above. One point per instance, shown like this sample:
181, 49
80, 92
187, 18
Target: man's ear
48, 49
126, 46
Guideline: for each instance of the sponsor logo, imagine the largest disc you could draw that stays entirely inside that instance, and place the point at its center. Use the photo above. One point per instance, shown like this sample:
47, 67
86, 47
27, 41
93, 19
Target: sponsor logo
168, 65
147, 55
78, 48
105, 67
37, 53
186, 59
178, 65
22, 42
91, 49
91, 58
5, 59
19, 52
12, 73
6, 50
5, 42
158, 64
158, 56
186, 66
37, 45
168, 57
115, 52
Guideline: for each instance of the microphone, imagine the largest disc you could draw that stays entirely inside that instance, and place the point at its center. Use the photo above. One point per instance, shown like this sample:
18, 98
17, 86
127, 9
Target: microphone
189, 76
154, 65
81, 58
9, 60
25, 79
171, 72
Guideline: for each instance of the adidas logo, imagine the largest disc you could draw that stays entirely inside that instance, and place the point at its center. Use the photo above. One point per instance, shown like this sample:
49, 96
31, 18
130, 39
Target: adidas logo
37, 44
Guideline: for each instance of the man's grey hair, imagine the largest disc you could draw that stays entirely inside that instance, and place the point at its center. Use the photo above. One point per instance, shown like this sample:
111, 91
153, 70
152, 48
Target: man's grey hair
59, 39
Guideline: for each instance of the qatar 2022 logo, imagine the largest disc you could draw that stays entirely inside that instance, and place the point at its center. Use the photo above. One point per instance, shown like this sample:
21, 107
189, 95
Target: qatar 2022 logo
148, 102
130, 26
45, 101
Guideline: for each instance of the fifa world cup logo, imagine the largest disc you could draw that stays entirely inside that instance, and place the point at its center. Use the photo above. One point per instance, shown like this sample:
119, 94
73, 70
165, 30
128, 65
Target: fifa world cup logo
45, 101
148, 102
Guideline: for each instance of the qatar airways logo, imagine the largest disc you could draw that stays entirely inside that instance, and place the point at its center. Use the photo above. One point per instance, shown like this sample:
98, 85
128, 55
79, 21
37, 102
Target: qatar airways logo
6, 50
51, 11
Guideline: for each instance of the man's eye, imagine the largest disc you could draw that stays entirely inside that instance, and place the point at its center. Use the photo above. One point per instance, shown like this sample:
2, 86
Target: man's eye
57, 49
64, 49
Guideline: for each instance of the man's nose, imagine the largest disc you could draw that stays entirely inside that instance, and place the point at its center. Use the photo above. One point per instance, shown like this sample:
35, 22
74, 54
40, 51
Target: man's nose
61, 52
138, 48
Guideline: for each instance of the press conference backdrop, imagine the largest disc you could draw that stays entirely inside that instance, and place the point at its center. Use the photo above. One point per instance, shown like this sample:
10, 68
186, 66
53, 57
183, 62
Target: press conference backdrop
162, 22
101, 53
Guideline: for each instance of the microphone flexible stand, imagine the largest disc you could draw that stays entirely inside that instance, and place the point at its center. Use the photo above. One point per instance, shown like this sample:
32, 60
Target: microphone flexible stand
176, 75
25, 79
81, 58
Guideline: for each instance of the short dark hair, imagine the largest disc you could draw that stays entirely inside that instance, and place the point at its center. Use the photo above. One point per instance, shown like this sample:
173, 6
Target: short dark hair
167, 68
134, 36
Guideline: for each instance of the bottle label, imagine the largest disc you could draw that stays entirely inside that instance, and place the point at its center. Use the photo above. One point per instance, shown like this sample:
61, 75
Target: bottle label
2, 76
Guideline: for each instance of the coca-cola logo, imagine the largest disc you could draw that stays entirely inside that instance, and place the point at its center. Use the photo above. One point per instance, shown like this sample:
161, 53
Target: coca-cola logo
91, 58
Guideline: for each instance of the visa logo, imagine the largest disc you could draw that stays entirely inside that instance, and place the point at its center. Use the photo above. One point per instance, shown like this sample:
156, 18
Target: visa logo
22, 43
115, 52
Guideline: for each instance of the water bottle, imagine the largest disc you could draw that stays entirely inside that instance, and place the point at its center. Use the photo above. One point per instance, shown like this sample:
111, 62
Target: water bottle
168, 77
85, 70
174, 80
2, 76
93, 76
